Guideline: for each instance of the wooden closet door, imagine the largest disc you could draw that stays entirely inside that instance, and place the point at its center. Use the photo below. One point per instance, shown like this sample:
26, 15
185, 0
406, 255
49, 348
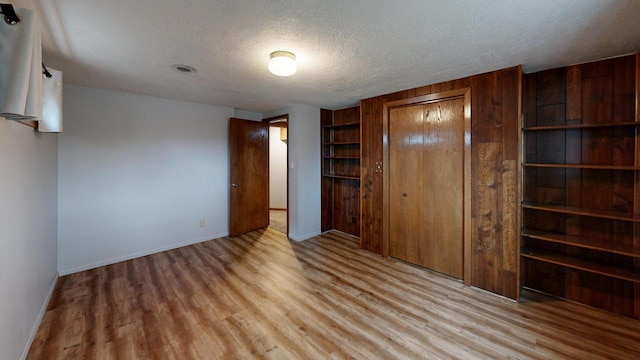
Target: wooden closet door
406, 179
426, 144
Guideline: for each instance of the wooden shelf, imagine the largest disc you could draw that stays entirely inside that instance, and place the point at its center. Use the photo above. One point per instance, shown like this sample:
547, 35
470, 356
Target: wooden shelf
342, 143
342, 157
603, 214
581, 242
580, 264
351, 124
580, 126
583, 166
342, 177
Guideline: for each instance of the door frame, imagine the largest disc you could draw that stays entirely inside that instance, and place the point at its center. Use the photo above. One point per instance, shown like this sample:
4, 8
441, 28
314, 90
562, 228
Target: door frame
270, 121
464, 93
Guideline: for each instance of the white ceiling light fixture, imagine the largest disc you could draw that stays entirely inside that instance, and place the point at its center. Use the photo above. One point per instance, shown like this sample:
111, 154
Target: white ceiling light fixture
282, 63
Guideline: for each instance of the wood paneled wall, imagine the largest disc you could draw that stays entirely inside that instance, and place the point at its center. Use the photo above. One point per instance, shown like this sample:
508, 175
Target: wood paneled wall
495, 109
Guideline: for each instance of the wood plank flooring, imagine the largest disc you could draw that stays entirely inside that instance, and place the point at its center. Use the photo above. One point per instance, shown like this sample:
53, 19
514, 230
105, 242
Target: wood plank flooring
261, 296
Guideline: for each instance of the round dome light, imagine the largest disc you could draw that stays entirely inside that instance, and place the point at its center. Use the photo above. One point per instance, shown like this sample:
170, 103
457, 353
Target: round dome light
282, 63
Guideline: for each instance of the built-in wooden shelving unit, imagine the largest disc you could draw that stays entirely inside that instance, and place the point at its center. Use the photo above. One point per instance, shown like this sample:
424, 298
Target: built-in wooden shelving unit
581, 184
341, 170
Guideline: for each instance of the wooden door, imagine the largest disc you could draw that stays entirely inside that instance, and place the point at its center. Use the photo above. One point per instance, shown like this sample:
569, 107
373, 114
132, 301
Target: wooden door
426, 185
249, 161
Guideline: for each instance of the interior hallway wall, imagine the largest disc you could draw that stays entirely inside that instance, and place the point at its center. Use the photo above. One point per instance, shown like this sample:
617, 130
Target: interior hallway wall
277, 170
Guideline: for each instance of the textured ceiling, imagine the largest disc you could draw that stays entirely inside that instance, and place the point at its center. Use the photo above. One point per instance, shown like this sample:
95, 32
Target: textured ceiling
347, 50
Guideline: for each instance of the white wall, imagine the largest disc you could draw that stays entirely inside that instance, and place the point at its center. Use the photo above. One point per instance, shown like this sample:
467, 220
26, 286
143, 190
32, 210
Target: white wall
137, 174
304, 169
277, 170
28, 222
247, 115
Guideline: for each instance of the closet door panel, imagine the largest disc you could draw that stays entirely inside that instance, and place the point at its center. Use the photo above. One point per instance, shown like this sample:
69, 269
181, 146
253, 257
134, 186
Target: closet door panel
443, 193
406, 208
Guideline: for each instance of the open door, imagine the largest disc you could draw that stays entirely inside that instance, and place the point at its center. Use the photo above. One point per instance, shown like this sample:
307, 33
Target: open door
249, 160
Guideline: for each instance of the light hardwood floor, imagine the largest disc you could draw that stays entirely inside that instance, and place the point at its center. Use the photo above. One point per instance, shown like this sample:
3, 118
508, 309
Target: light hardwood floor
262, 296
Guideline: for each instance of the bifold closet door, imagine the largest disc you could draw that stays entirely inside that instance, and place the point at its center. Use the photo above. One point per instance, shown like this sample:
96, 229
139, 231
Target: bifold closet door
426, 185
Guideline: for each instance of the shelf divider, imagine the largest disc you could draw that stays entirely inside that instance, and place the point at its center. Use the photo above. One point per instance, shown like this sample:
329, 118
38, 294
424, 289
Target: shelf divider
580, 126
342, 143
582, 166
332, 126
580, 264
581, 242
342, 177
603, 214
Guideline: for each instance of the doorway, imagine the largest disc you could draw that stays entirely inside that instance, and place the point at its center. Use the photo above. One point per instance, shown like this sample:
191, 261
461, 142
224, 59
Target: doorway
278, 173
427, 181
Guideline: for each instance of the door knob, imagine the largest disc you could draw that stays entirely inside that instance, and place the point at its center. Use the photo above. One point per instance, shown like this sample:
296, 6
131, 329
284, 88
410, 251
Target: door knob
234, 185
404, 194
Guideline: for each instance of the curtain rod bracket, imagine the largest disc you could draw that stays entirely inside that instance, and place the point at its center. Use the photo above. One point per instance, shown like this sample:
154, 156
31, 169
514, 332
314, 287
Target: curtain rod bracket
10, 16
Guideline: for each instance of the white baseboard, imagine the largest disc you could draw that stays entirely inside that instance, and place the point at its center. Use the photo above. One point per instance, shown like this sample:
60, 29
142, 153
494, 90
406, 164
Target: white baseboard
304, 237
139, 254
36, 325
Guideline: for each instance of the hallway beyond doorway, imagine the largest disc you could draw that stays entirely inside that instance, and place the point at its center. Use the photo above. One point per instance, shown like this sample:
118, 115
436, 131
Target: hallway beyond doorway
278, 220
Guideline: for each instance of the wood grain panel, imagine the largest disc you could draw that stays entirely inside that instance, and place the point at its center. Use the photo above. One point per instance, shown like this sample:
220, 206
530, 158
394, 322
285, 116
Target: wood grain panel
530, 104
597, 92
551, 87
574, 93
623, 146
489, 108
346, 116
624, 89
511, 104
489, 184
346, 166
371, 182
261, 296
346, 206
549, 149
326, 201
509, 233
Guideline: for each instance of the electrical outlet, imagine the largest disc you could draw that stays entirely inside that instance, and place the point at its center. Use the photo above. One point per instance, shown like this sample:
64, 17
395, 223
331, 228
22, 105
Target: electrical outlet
202, 223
